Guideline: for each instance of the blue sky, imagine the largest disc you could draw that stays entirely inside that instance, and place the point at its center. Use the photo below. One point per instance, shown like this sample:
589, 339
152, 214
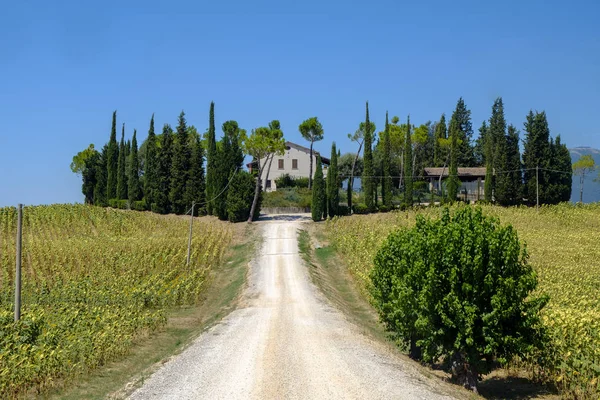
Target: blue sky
66, 67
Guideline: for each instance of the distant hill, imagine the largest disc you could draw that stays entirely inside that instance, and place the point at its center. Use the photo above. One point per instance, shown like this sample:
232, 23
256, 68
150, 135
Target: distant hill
591, 189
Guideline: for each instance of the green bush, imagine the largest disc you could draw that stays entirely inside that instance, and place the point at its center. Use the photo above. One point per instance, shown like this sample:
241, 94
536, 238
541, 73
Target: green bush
343, 210
139, 205
382, 208
458, 289
292, 197
287, 181
360, 208
120, 204
240, 196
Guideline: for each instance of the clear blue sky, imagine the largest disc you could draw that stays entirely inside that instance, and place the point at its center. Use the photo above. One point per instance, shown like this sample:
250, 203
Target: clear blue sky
66, 67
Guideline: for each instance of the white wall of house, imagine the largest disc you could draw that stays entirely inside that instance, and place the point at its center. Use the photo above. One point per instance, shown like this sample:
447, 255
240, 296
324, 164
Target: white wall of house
285, 164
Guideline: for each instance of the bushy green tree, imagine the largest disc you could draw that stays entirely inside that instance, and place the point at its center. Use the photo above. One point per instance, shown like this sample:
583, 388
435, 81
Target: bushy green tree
453, 181
85, 164
230, 159
408, 167
459, 289
211, 162
112, 160
240, 195
100, 190
133, 186
151, 167
368, 169
162, 204
440, 157
121, 171
180, 167
333, 187
195, 190
311, 130
318, 193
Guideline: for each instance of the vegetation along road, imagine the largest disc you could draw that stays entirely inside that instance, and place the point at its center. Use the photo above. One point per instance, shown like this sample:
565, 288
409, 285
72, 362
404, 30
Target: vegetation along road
286, 341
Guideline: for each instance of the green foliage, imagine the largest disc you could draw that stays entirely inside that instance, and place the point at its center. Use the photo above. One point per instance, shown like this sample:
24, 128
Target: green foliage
536, 153
459, 289
368, 171
479, 149
497, 136
211, 162
464, 128
133, 187
151, 167
333, 186
85, 163
360, 208
287, 181
440, 154
195, 189
386, 183
78, 164
101, 178
229, 159
240, 196
453, 182
118, 203
161, 202
318, 193
121, 168
288, 197
408, 167
561, 176
139, 205
180, 167
112, 159
311, 130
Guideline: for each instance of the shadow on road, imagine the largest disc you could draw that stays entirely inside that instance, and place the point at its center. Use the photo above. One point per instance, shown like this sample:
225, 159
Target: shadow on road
285, 217
513, 388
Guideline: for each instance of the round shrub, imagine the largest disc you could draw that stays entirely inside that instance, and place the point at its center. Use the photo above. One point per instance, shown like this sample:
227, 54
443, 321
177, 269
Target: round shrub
458, 290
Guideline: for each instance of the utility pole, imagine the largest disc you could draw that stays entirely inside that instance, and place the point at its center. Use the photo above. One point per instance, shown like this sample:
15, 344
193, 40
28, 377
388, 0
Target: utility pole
537, 188
18, 272
189, 252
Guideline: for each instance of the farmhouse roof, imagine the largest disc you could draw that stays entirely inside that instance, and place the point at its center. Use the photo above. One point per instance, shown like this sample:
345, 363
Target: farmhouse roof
464, 172
325, 160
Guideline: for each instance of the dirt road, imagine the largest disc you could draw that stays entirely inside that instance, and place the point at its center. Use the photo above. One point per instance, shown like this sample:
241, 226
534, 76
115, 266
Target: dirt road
286, 342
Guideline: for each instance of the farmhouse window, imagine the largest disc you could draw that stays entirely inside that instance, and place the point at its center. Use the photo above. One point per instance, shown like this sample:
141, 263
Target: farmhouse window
294, 163
268, 184
280, 162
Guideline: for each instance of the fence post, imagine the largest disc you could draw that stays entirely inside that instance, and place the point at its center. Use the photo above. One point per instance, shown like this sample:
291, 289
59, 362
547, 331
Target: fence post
189, 252
18, 272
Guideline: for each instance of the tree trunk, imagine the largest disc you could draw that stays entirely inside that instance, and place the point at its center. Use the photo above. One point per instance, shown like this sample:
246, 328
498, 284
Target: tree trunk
256, 191
351, 179
463, 373
415, 351
268, 169
311, 165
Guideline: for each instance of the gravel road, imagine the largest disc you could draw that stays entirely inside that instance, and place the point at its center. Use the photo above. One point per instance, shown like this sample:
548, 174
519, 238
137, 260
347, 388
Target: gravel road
286, 342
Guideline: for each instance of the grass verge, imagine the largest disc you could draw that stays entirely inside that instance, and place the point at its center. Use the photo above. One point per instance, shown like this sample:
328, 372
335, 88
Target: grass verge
118, 379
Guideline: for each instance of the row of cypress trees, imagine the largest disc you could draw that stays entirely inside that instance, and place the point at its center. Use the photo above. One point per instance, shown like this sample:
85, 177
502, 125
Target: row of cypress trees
326, 192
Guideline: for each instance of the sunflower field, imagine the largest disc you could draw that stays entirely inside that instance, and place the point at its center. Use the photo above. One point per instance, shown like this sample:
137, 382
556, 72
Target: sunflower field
563, 243
94, 279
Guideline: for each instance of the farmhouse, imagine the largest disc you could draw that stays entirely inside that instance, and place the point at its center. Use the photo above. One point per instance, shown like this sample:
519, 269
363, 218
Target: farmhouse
472, 181
294, 162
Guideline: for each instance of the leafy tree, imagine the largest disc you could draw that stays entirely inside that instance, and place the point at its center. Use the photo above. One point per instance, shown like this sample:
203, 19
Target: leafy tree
133, 187
165, 159
180, 167
151, 167
101, 175
368, 170
262, 142
240, 196
195, 189
536, 154
311, 130
459, 289
230, 159
584, 166
211, 162
408, 168
422, 150
78, 164
462, 117
440, 157
121, 171
85, 164
333, 192
386, 183
453, 182
112, 160
318, 193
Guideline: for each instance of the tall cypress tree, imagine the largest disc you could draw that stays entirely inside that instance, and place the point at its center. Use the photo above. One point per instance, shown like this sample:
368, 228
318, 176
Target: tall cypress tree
488, 187
151, 167
386, 182
479, 150
440, 154
133, 185
101, 178
367, 176
165, 158
462, 116
514, 176
211, 161
318, 193
333, 192
180, 167
112, 160
121, 171
453, 182
536, 153
195, 187
229, 159
562, 172
497, 135
408, 167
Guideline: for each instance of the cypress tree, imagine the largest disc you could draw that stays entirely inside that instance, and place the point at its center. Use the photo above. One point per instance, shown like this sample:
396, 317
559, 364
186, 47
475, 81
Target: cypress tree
88, 175
464, 129
386, 181
453, 183
562, 172
180, 167
165, 158
195, 187
121, 171
133, 185
101, 178
536, 153
211, 161
229, 159
488, 187
112, 160
151, 167
440, 154
480, 150
333, 192
318, 193
408, 167
514, 178
367, 176
497, 135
